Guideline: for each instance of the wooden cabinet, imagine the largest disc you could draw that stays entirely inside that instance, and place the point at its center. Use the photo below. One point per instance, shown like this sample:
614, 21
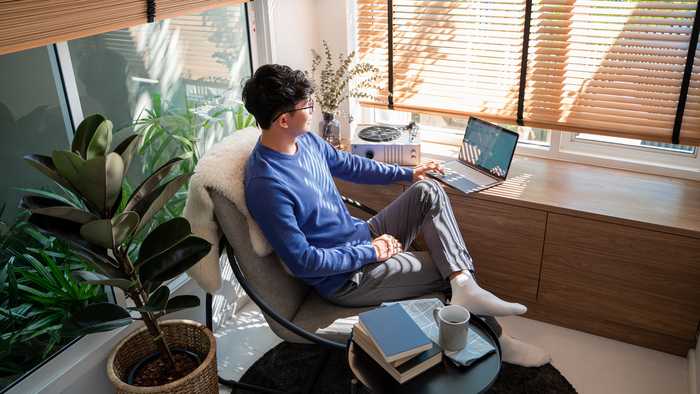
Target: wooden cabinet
506, 244
644, 280
634, 279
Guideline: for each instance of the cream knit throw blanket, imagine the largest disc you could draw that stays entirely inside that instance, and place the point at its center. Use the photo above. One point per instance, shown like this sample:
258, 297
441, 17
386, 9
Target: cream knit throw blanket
223, 169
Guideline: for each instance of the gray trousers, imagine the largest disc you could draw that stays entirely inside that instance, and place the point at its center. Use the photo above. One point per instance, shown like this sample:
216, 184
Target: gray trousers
424, 207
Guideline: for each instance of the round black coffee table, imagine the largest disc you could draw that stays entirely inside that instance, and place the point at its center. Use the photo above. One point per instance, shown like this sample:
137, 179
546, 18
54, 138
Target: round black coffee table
442, 378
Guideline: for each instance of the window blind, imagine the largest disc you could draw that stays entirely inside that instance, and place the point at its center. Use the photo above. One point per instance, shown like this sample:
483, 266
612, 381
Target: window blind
595, 66
449, 57
608, 67
28, 24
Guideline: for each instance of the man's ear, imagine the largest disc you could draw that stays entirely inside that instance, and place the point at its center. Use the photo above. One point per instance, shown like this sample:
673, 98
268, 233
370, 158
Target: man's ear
284, 121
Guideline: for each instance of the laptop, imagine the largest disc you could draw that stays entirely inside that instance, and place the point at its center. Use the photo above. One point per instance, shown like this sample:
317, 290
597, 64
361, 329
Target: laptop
484, 158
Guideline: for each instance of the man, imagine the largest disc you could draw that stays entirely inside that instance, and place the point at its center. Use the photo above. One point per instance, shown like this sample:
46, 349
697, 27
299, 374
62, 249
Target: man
290, 193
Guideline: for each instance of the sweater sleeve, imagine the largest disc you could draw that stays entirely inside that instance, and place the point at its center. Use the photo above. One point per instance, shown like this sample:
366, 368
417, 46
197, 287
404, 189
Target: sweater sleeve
275, 216
358, 169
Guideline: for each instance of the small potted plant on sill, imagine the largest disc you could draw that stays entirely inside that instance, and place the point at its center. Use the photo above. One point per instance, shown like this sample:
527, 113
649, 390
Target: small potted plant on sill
176, 356
333, 85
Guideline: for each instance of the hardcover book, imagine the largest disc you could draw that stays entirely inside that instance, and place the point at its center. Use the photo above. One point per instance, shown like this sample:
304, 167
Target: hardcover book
408, 368
393, 332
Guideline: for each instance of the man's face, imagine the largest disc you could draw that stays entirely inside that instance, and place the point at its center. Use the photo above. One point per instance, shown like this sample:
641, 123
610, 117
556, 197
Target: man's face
298, 120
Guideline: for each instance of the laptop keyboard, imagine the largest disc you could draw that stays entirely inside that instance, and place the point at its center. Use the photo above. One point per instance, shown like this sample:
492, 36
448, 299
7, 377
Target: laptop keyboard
456, 176
455, 167
461, 183
457, 181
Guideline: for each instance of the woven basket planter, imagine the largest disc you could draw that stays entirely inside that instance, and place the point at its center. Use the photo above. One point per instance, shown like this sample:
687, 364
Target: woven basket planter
185, 334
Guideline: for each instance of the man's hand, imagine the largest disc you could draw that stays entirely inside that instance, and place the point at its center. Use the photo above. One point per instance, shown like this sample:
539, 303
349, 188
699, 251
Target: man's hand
419, 171
386, 246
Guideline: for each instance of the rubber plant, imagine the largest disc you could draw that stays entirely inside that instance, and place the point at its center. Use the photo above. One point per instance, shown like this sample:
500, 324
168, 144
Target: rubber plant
102, 229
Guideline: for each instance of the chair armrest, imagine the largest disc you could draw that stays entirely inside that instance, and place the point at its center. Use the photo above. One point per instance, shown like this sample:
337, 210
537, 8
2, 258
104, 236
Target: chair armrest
358, 205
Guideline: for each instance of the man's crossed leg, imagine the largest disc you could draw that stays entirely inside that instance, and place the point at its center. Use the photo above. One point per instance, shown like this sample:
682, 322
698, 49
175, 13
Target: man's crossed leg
425, 208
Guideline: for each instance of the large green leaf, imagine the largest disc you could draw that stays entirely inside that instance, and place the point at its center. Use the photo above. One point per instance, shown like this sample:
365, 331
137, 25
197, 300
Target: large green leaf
148, 185
68, 166
94, 278
174, 261
154, 201
114, 175
84, 134
118, 202
164, 237
158, 299
127, 148
109, 233
102, 316
181, 302
56, 208
101, 141
98, 180
46, 166
70, 232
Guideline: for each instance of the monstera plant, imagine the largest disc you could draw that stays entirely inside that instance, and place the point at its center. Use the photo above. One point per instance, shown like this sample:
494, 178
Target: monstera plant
102, 226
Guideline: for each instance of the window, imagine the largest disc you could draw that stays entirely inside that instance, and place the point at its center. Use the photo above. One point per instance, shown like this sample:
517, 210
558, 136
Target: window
179, 80
33, 120
651, 157
197, 60
600, 67
629, 142
448, 129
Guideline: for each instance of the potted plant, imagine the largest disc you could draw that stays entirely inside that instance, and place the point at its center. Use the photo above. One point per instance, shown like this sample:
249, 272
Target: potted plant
334, 85
173, 356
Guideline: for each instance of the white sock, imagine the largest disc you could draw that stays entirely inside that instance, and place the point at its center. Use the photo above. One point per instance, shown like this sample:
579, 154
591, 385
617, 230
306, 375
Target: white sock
520, 353
478, 301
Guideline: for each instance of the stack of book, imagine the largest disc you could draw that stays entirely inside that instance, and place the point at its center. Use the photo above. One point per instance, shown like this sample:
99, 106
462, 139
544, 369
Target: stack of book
391, 337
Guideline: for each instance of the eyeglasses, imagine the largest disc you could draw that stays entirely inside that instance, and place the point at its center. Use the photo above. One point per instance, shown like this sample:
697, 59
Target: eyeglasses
310, 107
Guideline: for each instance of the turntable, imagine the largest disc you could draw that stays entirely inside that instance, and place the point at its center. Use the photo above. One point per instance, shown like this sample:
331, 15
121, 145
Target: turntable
388, 144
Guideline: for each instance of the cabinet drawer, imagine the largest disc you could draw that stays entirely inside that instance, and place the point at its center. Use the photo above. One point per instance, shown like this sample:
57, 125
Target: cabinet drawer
506, 244
635, 277
373, 196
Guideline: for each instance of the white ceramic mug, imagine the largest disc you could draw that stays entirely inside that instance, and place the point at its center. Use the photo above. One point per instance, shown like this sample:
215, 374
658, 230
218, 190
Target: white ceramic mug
453, 325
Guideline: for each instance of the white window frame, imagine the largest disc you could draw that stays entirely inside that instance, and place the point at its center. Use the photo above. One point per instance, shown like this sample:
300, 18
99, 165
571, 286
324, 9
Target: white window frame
565, 147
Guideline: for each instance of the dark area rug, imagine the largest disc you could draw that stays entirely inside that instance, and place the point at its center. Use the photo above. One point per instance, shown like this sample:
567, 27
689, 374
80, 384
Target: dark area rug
288, 366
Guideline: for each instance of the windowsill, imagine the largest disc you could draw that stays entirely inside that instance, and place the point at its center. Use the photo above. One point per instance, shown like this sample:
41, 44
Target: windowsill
648, 201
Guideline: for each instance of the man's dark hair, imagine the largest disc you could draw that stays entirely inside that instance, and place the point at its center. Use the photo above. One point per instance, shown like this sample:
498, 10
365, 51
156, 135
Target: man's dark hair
274, 89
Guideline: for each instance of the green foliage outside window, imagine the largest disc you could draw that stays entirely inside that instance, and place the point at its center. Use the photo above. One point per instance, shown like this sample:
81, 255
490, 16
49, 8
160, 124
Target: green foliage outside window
38, 294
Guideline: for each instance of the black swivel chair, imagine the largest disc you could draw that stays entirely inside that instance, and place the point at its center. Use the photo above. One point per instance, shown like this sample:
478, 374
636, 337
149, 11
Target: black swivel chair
292, 309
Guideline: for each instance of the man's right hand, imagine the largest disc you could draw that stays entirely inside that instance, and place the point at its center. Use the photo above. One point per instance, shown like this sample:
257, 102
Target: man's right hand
386, 246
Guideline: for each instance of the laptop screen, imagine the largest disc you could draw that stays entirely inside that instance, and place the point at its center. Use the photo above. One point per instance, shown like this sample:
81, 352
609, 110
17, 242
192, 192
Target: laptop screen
488, 147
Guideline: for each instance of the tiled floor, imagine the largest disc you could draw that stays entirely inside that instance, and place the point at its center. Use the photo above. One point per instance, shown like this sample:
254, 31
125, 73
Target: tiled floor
594, 365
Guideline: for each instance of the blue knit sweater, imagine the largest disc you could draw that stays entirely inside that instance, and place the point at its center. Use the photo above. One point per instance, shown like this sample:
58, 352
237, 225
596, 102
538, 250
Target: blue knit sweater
295, 202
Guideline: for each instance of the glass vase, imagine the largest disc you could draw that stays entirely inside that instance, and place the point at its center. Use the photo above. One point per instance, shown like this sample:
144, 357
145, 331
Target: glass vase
329, 127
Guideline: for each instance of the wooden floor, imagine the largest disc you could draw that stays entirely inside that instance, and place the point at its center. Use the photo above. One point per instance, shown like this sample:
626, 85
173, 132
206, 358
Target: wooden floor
593, 364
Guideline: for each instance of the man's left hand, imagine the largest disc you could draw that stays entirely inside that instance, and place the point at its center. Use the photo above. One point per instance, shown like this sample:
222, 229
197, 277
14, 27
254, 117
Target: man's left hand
420, 171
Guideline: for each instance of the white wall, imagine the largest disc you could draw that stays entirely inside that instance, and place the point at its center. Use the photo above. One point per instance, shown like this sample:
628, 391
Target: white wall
297, 26
294, 32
